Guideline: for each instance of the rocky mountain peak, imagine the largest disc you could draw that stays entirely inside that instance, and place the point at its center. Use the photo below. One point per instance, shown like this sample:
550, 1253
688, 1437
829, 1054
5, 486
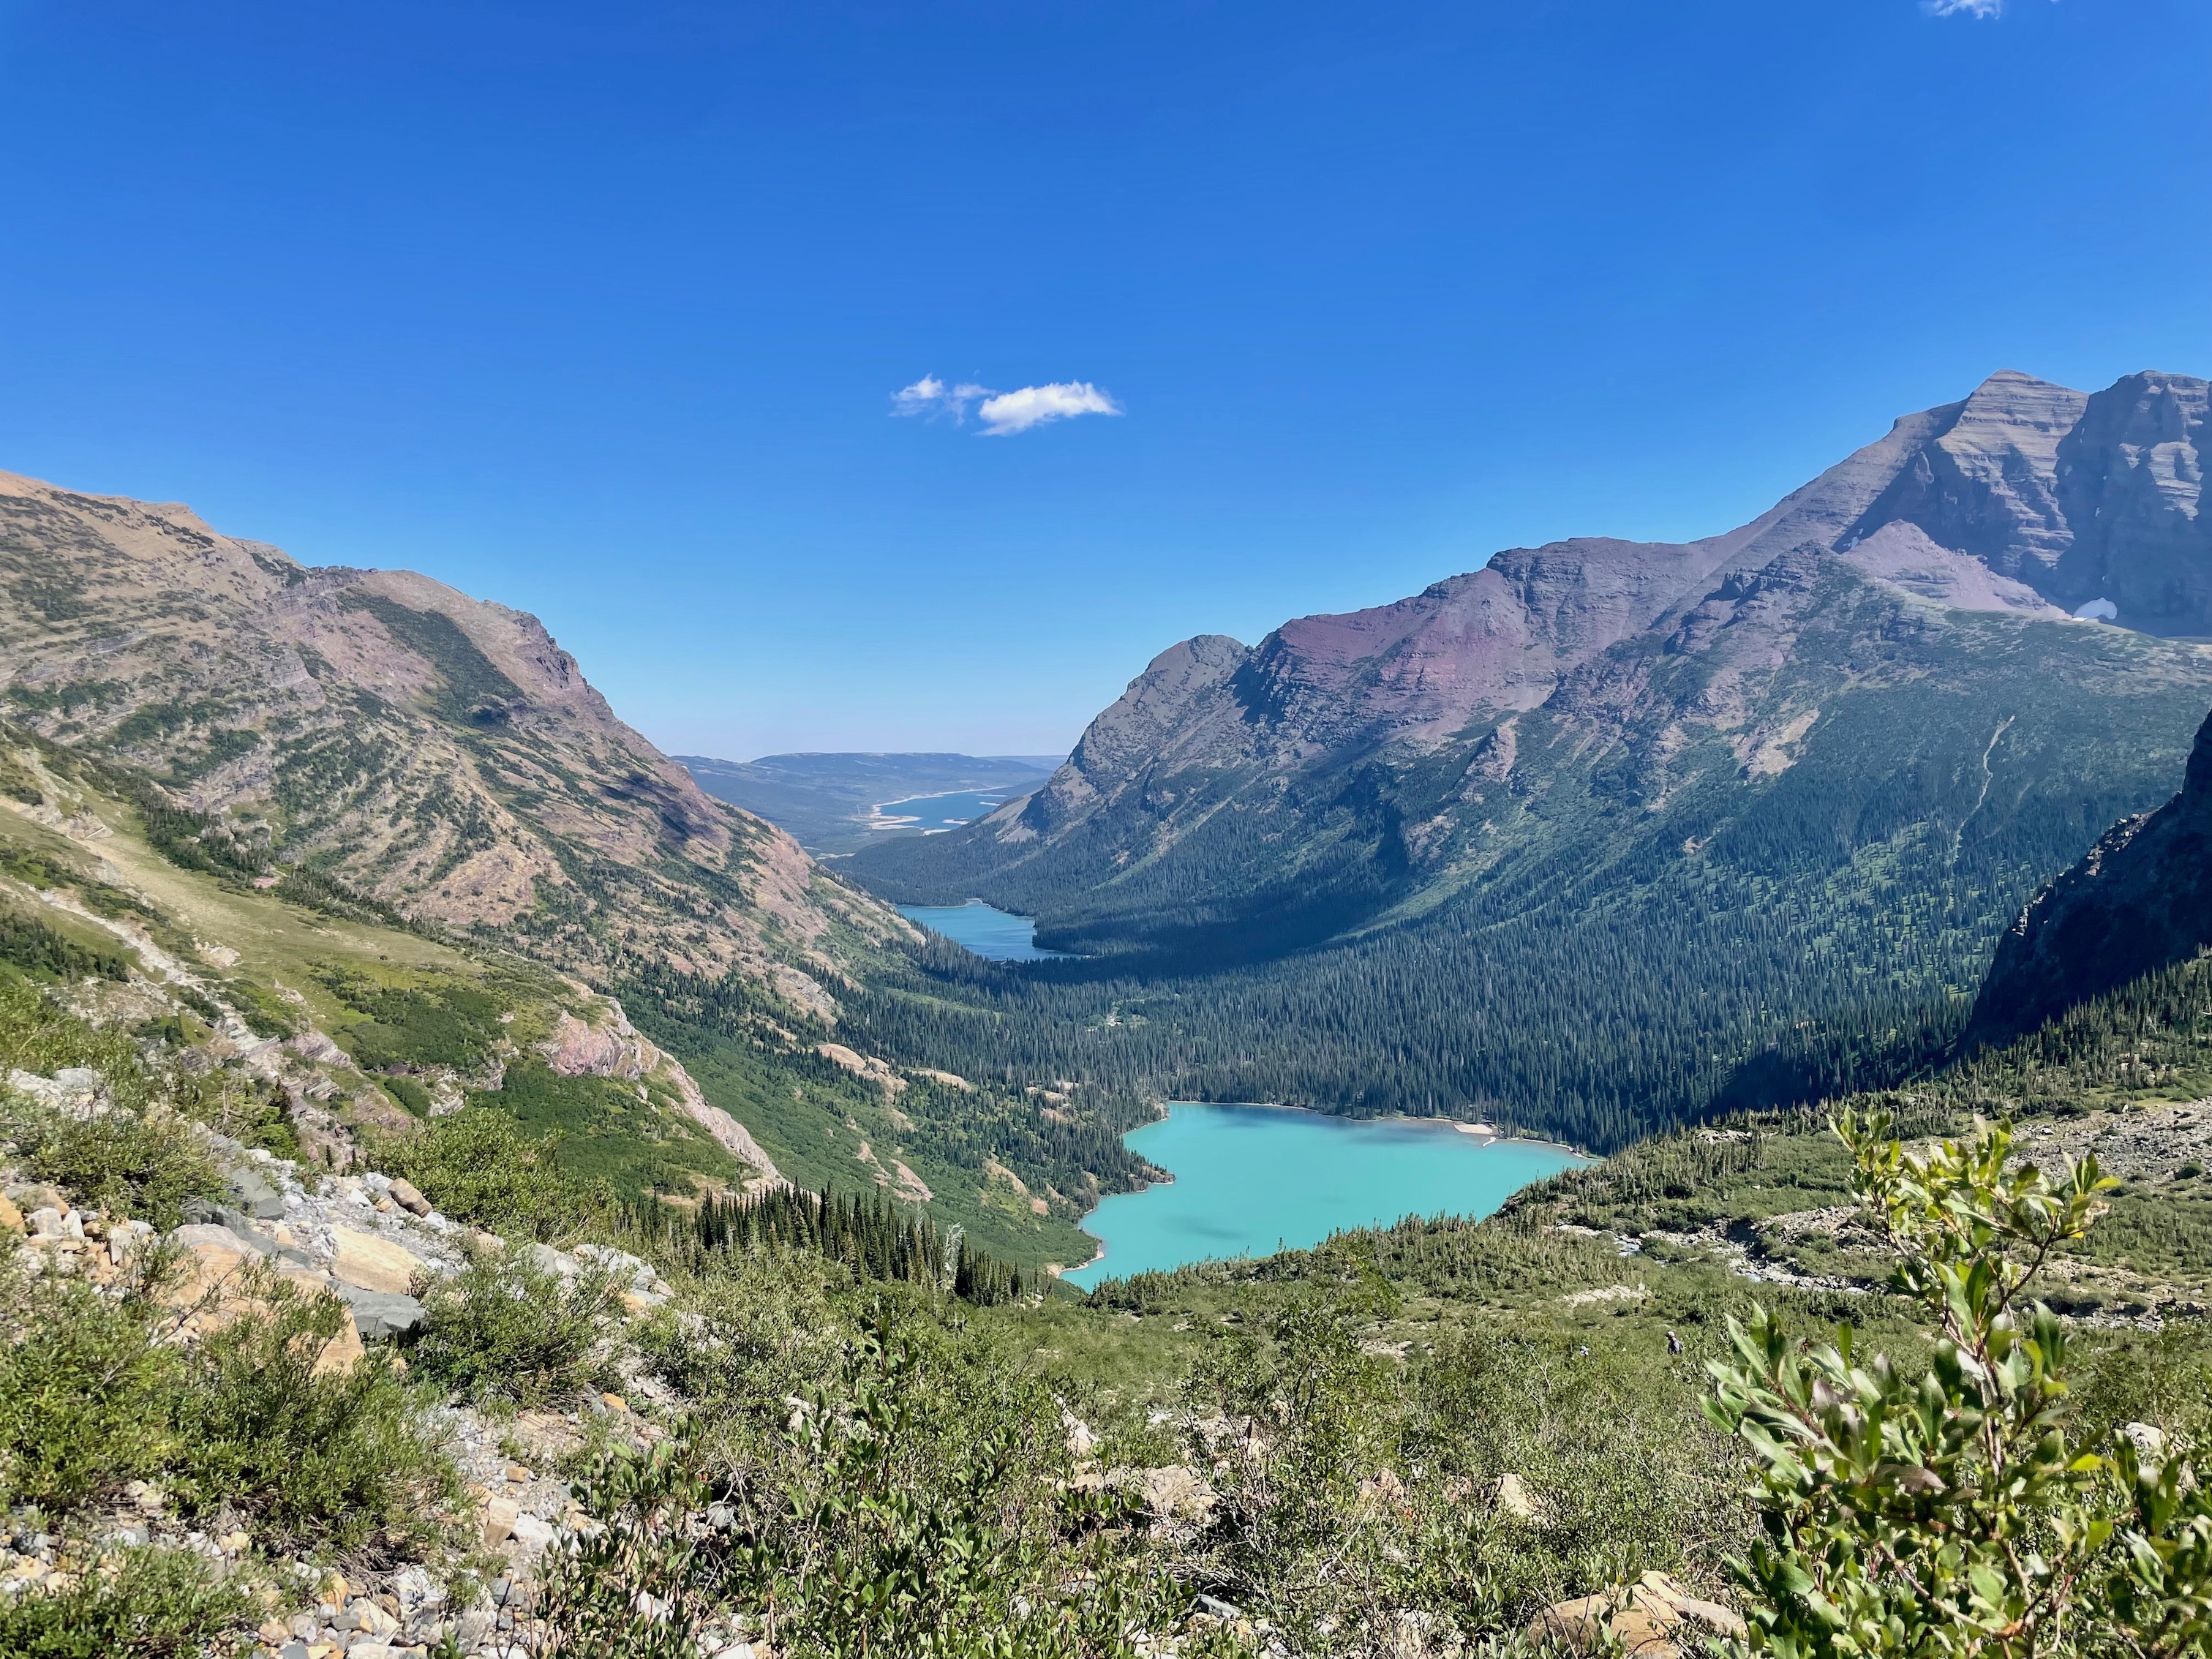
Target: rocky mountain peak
2024, 500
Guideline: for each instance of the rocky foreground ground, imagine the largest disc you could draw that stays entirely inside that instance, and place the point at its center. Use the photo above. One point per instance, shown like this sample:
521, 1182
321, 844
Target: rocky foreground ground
375, 1244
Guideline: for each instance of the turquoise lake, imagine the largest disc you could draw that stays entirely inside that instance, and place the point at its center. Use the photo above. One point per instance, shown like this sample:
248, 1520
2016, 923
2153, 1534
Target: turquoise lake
1253, 1180
987, 932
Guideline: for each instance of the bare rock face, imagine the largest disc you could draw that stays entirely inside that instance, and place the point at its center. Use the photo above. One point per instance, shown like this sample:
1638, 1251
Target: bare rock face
2131, 485
439, 754
2141, 900
1987, 485
2025, 498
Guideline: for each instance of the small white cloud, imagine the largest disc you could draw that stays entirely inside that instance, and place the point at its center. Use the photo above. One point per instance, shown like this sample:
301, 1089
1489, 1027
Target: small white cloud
1004, 413
1010, 412
1963, 8
920, 397
931, 396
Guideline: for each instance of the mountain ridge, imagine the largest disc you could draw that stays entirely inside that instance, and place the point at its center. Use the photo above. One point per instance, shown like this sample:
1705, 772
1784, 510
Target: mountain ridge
1789, 782
436, 753
1535, 625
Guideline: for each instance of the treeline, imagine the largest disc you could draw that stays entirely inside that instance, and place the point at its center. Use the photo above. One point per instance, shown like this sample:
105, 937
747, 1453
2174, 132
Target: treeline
678, 1010
868, 1234
1594, 1026
27, 943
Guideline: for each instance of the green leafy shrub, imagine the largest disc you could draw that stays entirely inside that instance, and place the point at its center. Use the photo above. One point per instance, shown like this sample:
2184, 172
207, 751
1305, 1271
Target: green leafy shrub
505, 1327
144, 1163
340, 1462
1625, 1474
94, 1394
85, 1392
1960, 1512
893, 1474
36, 1037
150, 1604
250, 1110
477, 1165
913, 1503
632, 1587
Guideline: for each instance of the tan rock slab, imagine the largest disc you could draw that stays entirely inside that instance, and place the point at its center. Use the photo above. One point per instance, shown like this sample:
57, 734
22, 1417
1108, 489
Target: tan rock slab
1513, 1498
1177, 1492
214, 1260
341, 1352
499, 1515
1657, 1618
369, 1263
11, 1219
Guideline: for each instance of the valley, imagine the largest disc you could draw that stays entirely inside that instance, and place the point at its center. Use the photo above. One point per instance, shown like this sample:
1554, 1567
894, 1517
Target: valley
833, 805
1608, 834
525, 1202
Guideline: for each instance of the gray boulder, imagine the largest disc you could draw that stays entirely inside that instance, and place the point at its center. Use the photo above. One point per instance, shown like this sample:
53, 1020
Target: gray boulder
256, 1195
383, 1315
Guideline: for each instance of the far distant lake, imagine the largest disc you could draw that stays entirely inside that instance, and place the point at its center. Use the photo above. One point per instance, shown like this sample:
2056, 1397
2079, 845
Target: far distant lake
1254, 1180
933, 812
987, 933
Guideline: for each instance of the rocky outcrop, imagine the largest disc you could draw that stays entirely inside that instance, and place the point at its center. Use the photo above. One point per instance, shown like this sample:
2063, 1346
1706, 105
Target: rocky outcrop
614, 1049
2140, 900
348, 1238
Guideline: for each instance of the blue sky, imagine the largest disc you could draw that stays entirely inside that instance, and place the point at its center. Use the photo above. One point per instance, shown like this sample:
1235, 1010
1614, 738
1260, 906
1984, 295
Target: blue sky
601, 310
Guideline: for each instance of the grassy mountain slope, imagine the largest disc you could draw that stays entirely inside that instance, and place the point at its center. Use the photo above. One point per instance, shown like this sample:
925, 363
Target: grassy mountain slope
363, 1028
408, 857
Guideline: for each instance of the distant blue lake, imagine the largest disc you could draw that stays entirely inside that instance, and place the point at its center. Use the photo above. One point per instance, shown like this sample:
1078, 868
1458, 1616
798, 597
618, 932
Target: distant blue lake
987, 932
1253, 1180
948, 811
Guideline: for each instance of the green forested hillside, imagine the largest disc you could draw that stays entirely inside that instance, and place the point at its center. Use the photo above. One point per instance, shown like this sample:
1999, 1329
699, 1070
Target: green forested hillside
1631, 925
809, 1427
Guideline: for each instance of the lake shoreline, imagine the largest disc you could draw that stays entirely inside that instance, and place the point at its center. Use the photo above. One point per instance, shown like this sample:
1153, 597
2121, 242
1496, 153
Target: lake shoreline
1488, 1136
1218, 1214
982, 930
